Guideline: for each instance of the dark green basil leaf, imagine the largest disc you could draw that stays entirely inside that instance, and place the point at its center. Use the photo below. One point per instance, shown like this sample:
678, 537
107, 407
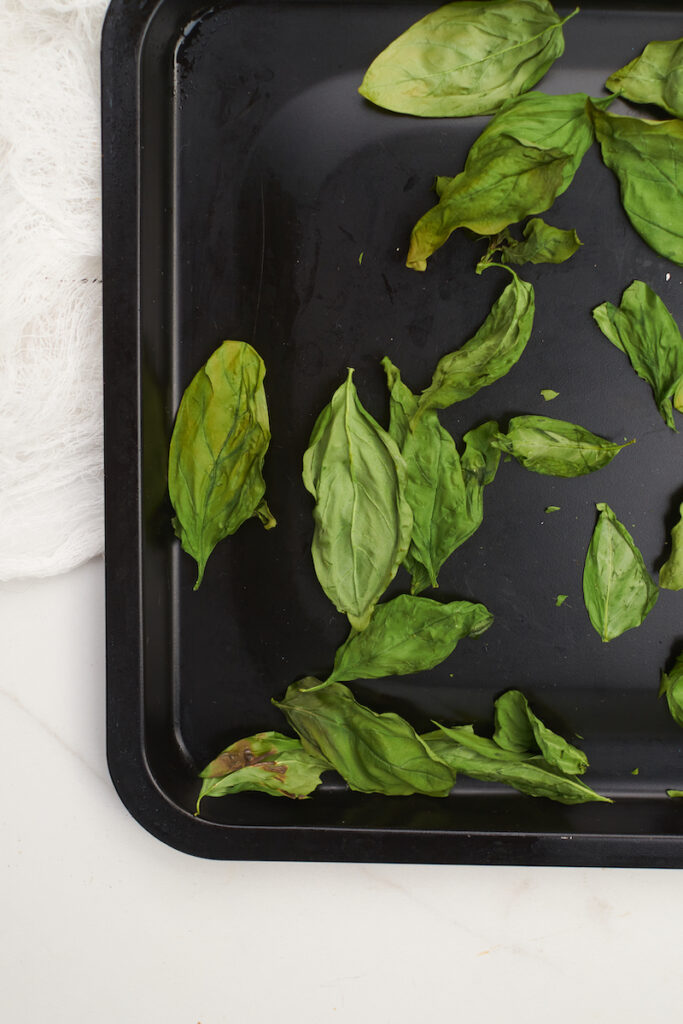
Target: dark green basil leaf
654, 77
363, 521
489, 355
542, 244
555, 447
407, 634
672, 686
218, 445
466, 58
267, 762
617, 588
518, 729
503, 182
374, 753
671, 573
647, 159
644, 329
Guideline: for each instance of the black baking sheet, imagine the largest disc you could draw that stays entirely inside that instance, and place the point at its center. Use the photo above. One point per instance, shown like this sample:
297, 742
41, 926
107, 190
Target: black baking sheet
243, 178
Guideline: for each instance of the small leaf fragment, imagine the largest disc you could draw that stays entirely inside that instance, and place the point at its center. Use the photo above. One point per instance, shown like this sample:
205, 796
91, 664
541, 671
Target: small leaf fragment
552, 508
548, 394
560, 599
675, 793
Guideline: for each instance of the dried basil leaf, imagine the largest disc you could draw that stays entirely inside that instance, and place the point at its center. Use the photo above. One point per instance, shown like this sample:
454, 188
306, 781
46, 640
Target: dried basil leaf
374, 753
656, 76
218, 445
518, 729
672, 685
555, 447
617, 588
647, 159
671, 573
363, 521
466, 58
267, 762
644, 329
542, 244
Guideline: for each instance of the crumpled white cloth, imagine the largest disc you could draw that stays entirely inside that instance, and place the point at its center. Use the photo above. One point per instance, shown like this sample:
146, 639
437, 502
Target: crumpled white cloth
51, 502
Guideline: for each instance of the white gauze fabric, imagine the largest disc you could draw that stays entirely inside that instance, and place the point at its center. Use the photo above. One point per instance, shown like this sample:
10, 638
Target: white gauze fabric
51, 506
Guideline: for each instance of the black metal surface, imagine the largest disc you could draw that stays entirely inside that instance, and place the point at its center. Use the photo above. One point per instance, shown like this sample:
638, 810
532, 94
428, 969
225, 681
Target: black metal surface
243, 176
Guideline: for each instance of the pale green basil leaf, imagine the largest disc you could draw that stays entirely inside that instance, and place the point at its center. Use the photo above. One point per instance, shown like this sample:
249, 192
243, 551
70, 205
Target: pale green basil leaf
643, 328
402, 404
656, 76
466, 58
518, 729
555, 447
408, 634
267, 762
560, 599
647, 159
374, 753
503, 182
489, 355
672, 685
675, 793
542, 244
548, 394
617, 588
363, 521
671, 573
218, 445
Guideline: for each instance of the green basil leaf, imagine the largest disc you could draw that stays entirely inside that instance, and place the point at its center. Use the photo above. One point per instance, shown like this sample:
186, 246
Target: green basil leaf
489, 355
466, 58
617, 588
644, 329
675, 793
503, 182
534, 777
548, 394
267, 762
671, 573
518, 729
672, 686
542, 244
656, 76
408, 634
363, 521
218, 445
402, 404
374, 753
647, 159
555, 447
465, 736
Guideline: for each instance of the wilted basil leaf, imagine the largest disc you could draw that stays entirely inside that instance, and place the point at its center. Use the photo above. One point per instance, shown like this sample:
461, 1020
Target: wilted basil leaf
644, 329
555, 447
407, 634
542, 244
466, 58
374, 753
218, 445
363, 521
671, 573
672, 686
654, 77
617, 588
647, 158
518, 729
267, 762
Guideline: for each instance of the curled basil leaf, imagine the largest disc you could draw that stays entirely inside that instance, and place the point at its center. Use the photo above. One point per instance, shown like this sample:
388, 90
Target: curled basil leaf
656, 76
466, 58
542, 244
518, 729
671, 686
218, 445
267, 762
374, 753
555, 447
643, 328
647, 159
617, 588
363, 521
671, 573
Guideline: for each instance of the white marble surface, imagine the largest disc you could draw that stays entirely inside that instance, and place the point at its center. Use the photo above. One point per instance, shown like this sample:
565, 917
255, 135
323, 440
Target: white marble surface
104, 924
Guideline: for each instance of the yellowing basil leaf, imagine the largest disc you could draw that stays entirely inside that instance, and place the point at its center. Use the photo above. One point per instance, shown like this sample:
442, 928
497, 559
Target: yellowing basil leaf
555, 447
643, 328
218, 445
466, 58
617, 588
672, 686
408, 634
517, 728
489, 355
656, 76
647, 159
374, 753
267, 762
363, 521
671, 573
